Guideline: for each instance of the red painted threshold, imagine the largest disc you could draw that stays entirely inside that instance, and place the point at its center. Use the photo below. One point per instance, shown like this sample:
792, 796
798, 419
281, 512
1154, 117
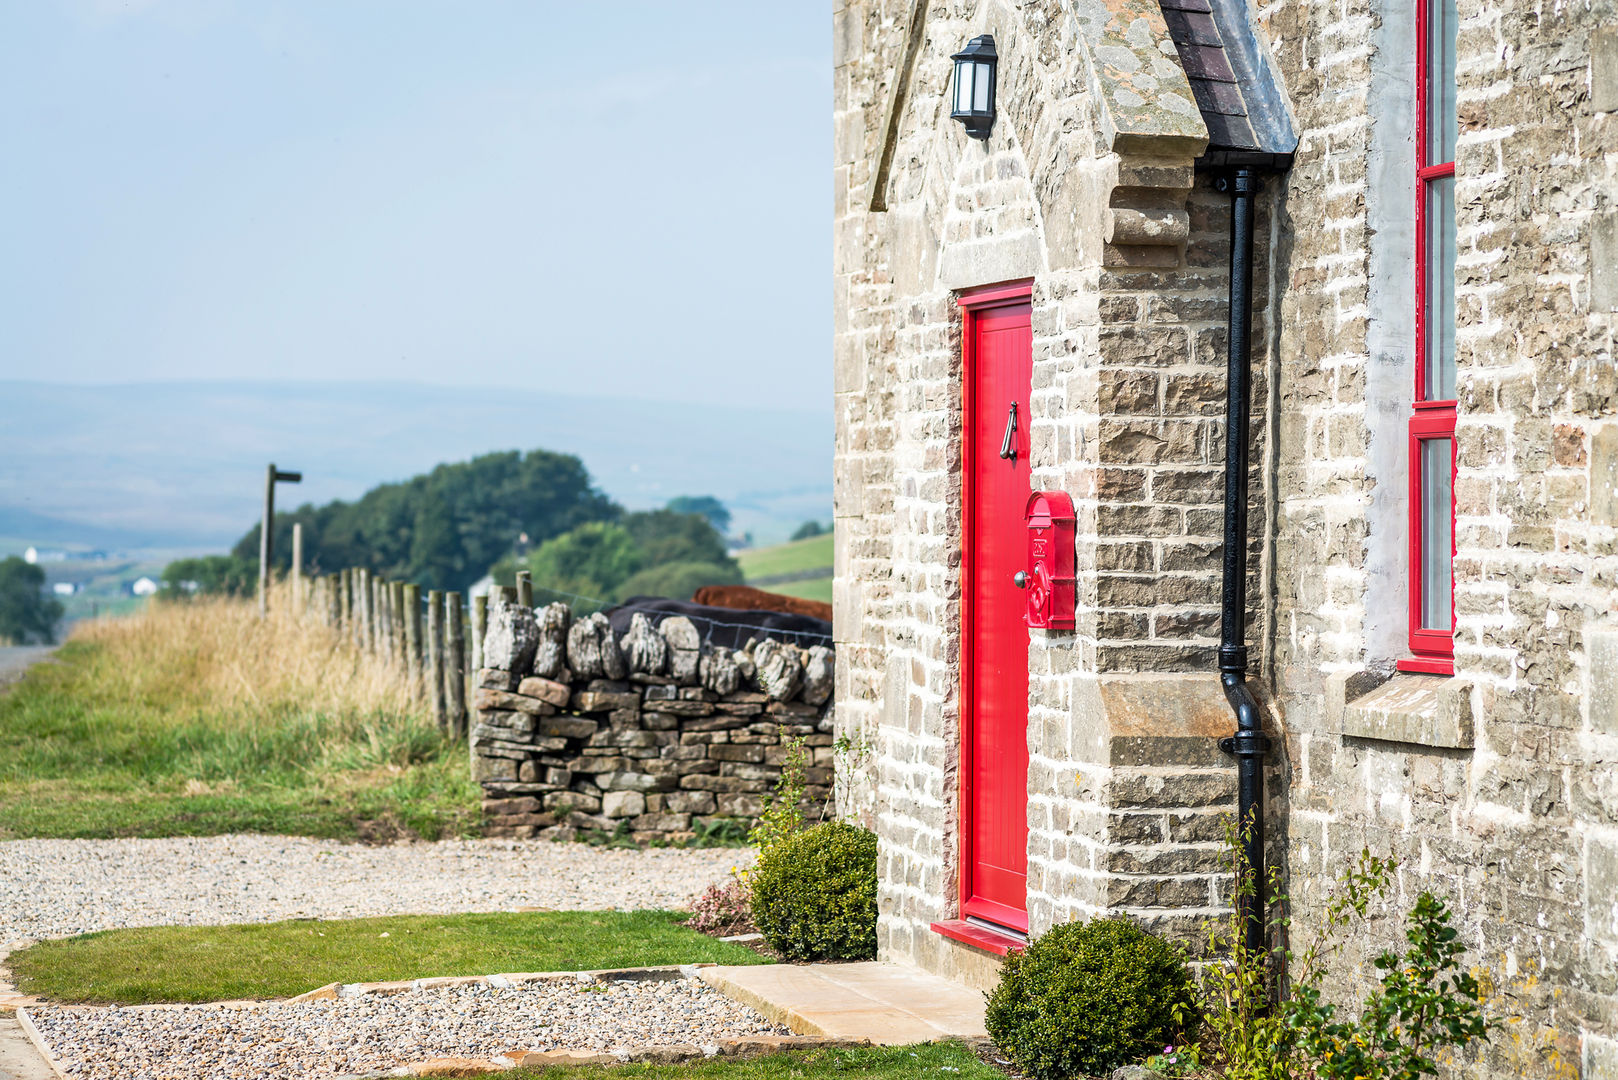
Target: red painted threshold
977, 936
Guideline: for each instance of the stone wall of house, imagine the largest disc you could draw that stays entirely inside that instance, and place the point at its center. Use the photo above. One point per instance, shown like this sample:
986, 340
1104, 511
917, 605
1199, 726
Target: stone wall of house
1095, 200
1497, 786
579, 729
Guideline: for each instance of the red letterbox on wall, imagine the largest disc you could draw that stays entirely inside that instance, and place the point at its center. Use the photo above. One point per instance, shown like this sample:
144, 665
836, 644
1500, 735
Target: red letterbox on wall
1049, 579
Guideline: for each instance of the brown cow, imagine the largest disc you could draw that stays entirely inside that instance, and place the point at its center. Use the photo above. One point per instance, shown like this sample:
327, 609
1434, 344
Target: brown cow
747, 598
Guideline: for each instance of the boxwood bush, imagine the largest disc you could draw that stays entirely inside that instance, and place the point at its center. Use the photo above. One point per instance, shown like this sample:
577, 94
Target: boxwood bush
1084, 998
814, 893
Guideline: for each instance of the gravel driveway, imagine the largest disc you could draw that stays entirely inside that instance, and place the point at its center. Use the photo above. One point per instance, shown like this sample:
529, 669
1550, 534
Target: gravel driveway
373, 1033
51, 888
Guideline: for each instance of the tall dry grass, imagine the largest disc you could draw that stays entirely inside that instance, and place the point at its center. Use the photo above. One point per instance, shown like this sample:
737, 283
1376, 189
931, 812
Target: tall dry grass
196, 716
216, 653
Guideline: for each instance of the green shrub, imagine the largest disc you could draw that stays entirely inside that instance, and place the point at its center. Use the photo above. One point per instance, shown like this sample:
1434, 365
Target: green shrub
1088, 997
814, 893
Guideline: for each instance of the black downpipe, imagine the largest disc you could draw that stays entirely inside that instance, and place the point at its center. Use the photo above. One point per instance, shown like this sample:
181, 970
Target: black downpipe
1249, 744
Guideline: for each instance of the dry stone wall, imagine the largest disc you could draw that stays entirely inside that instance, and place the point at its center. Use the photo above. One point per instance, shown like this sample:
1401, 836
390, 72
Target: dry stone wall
579, 729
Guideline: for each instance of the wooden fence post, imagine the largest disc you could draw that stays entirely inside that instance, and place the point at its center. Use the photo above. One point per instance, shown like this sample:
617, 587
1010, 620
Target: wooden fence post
410, 601
525, 588
367, 598
434, 668
384, 626
379, 629
266, 542
340, 604
455, 665
399, 613
297, 569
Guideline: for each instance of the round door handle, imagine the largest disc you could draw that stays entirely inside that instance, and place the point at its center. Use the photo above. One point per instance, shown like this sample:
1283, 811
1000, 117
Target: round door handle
1020, 579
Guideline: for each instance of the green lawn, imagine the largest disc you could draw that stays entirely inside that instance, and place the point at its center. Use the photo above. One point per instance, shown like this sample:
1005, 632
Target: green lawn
943, 1061
812, 589
800, 555
89, 748
271, 960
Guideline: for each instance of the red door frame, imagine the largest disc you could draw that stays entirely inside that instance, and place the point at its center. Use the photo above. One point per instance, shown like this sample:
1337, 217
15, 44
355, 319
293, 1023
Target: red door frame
972, 304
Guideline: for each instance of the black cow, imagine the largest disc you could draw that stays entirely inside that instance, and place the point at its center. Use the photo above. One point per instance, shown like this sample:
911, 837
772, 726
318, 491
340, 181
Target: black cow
723, 627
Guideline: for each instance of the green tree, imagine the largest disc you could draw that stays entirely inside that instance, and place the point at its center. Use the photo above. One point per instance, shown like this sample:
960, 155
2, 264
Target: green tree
26, 613
591, 560
665, 536
808, 530
706, 505
211, 575
651, 553
443, 529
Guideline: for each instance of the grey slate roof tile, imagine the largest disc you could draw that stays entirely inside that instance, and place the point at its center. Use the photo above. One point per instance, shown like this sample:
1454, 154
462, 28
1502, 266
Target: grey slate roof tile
1236, 92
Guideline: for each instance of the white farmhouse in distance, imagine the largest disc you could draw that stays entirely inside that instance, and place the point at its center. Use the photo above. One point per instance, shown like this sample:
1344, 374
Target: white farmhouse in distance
143, 587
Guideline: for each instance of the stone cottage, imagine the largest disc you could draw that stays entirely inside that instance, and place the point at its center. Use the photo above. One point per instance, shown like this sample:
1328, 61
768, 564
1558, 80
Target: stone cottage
1399, 220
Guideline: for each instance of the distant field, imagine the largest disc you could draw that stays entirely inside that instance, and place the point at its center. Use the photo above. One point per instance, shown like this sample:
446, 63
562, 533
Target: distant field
813, 589
800, 555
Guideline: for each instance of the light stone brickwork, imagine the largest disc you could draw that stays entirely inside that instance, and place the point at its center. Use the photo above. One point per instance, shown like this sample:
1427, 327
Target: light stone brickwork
1127, 318
1502, 789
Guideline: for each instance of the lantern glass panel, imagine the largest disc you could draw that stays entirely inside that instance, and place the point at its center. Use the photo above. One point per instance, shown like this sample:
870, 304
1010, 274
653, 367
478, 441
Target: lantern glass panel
980, 89
963, 85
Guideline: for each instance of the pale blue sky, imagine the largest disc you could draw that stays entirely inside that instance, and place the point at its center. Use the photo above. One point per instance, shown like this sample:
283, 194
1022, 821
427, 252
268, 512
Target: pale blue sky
589, 197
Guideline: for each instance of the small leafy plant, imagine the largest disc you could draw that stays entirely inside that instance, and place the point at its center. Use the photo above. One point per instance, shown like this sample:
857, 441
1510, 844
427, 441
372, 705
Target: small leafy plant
783, 808
1176, 1061
814, 893
1424, 1004
723, 908
1084, 998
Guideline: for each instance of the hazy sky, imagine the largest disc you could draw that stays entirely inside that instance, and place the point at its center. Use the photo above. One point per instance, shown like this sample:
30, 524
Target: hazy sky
611, 198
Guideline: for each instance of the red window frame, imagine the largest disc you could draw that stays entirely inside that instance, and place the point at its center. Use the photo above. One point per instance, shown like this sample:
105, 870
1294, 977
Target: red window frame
1433, 650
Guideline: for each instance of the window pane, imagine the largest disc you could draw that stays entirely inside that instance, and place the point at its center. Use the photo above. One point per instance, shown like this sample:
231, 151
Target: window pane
1437, 545
980, 93
963, 85
1441, 116
1440, 313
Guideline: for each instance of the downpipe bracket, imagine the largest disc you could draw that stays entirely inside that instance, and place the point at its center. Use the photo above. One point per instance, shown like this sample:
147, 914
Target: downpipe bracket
1247, 743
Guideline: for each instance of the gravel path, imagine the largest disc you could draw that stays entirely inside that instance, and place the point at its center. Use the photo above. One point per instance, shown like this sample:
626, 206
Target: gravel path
374, 1033
51, 888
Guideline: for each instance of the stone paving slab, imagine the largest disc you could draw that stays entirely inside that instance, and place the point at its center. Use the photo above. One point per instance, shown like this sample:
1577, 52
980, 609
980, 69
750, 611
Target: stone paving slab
21, 1057
886, 1004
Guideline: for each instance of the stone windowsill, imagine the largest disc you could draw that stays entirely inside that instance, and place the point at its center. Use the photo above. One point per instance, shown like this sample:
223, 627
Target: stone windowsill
1423, 710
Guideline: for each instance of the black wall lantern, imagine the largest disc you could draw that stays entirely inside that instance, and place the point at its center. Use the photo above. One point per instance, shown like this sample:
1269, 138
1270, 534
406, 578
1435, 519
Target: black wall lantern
974, 86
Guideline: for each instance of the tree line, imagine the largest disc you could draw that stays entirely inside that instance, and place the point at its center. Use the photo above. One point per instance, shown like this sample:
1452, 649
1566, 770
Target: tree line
447, 528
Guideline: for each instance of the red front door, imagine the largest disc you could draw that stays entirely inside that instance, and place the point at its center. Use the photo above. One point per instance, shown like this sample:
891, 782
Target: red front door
998, 369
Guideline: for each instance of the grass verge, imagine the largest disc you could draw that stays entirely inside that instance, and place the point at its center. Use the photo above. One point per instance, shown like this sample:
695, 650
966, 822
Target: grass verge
945, 1061
271, 960
811, 589
790, 558
199, 718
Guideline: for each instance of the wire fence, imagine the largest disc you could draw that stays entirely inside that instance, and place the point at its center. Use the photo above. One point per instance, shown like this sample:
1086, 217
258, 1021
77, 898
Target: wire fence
426, 632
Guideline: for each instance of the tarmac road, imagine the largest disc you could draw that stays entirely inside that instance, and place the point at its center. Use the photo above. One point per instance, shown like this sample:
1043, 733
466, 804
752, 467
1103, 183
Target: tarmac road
16, 659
